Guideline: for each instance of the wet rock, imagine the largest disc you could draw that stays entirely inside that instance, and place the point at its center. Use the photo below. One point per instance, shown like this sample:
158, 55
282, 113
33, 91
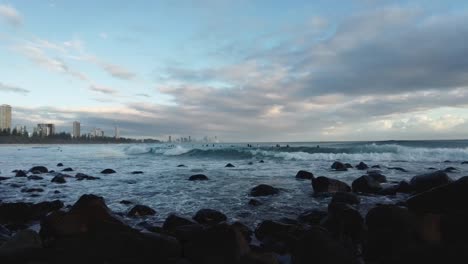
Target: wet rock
312, 217
35, 177
181, 165
431, 168
397, 168
4, 234
58, 179
141, 210
137, 172
344, 222
250, 163
67, 169
305, 175
82, 176
276, 236
338, 166
4, 178
261, 161
464, 162
21, 173
345, 197
447, 161
391, 229
229, 165
254, 202
263, 190
376, 167
377, 176
317, 246
21, 241
362, 166
401, 187
108, 171
198, 177
56, 191
209, 216
18, 213
424, 182
125, 202
450, 169
59, 164
366, 184
326, 185
348, 165
244, 230
174, 221
29, 190
15, 185
40, 169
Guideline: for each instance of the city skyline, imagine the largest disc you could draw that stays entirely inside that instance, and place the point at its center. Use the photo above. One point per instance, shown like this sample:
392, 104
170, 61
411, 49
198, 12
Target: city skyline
241, 70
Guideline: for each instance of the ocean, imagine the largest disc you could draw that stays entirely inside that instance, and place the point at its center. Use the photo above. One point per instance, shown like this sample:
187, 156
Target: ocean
164, 185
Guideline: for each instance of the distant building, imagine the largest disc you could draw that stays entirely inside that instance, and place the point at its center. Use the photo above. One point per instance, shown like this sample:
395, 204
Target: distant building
170, 139
76, 129
5, 117
45, 130
97, 132
116, 133
21, 129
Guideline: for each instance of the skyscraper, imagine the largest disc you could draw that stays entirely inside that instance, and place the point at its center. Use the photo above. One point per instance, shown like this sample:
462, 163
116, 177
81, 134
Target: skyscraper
76, 129
117, 133
5, 117
45, 130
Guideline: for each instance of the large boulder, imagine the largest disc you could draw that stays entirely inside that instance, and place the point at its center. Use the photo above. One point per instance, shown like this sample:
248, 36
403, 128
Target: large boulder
82, 176
344, 221
424, 182
18, 213
376, 175
362, 166
312, 217
345, 197
174, 221
276, 236
338, 166
141, 210
67, 169
58, 179
40, 169
209, 217
21, 242
366, 184
304, 175
198, 177
108, 171
326, 185
263, 190
21, 173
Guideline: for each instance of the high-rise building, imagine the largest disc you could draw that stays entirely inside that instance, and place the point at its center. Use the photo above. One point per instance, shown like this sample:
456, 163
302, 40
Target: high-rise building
170, 139
117, 133
45, 130
76, 129
5, 117
21, 129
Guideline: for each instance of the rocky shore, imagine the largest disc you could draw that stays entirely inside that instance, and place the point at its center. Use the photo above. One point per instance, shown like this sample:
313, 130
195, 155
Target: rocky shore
429, 227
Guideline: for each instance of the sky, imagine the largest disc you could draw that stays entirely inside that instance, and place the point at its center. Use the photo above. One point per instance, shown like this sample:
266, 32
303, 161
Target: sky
241, 70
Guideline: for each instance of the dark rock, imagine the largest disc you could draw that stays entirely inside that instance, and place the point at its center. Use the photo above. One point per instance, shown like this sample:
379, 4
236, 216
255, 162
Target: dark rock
362, 166
15, 185
141, 210
14, 213
447, 161
58, 179
174, 221
401, 187
35, 177
21, 173
376, 167
250, 163
254, 202
431, 168
326, 185
59, 164
312, 217
67, 169
108, 171
348, 165
209, 216
366, 184
338, 166
40, 169
244, 230
397, 168
305, 175
450, 169
56, 191
181, 165
229, 165
198, 177
26, 190
344, 221
22, 241
261, 161
345, 197
464, 162
424, 182
377, 176
137, 172
317, 246
14, 171
275, 231
263, 190
4, 178
125, 202
82, 176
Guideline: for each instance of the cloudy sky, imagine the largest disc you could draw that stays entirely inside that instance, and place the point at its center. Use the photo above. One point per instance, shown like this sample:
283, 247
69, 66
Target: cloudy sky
242, 70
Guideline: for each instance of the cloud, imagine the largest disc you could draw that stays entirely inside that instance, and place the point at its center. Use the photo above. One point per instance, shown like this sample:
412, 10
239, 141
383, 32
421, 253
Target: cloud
143, 95
102, 89
11, 15
117, 71
13, 89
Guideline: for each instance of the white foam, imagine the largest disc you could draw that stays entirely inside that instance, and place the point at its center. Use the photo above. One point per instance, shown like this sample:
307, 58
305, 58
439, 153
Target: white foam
178, 150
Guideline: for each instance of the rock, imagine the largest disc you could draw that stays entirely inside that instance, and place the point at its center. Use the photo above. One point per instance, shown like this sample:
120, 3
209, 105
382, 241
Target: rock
348, 165
14, 185
174, 221
377, 176
447, 161
19, 213
125, 202
58, 179
376, 167
362, 166
450, 169
263, 190
431, 168
344, 221
397, 168
366, 184
229, 165
464, 162
108, 171
198, 177
209, 216
4, 178
250, 163
317, 246
56, 191
26, 190
312, 217
305, 175
59, 164
22, 240
401, 187
276, 236
391, 229
181, 165
254, 202
424, 182
35, 177
244, 230
338, 166
82, 176
345, 197
67, 169
137, 172
21, 173
40, 169
261, 161
326, 185
141, 210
